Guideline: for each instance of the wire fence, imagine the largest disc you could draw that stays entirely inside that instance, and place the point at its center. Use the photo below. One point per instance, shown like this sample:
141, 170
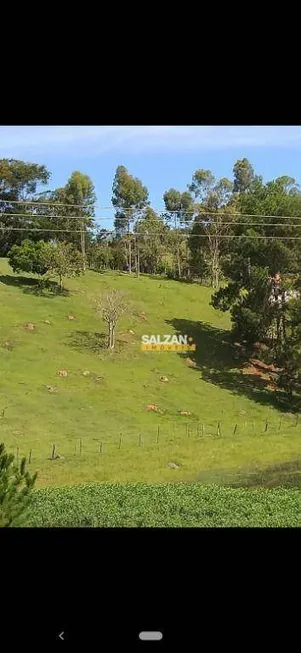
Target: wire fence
164, 437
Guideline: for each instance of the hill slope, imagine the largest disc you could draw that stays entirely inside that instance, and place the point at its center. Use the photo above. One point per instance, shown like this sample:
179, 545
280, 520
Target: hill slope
99, 422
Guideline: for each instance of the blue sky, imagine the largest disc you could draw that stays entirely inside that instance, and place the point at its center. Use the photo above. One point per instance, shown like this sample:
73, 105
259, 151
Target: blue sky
161, 156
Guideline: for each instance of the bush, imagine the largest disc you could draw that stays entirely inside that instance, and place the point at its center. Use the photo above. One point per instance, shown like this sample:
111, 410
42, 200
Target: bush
28, 257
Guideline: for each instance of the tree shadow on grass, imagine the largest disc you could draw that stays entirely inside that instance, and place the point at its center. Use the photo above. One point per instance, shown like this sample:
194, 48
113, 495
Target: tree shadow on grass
88, 341
286, 474
93, 341
215, 357
38, 287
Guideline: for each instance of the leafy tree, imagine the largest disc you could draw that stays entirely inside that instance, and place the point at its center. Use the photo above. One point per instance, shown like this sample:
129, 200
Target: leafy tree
28, 257
74, 212
150, 231
19, 181
111, 306
129, 196
176, 244
66, 210
62, 260
257, 255
243, 176
16, 485
214, 221
80, 191
100, 256
289, 355
202, 184
179, 206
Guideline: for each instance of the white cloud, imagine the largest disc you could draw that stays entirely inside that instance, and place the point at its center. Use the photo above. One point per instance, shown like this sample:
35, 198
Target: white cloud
92, 140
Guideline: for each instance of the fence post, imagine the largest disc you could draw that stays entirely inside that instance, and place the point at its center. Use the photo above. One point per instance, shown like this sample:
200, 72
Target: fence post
100, 447
29, 457
280, 423
53, 452
297, 420
266, 426
158, 433
235, 429
219, 429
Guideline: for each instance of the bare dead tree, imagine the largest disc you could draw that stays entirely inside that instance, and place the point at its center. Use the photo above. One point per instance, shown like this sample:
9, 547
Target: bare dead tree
111, 306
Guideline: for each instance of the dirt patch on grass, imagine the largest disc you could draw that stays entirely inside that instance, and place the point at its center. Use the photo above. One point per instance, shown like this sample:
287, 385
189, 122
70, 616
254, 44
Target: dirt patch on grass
266, 373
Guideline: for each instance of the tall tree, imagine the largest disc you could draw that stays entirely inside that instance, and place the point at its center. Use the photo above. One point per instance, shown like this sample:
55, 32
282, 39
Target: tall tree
68, 211
213, 222
179, 207
129, 197
257, 253
19, 182
80, 191
243, 176
149, 241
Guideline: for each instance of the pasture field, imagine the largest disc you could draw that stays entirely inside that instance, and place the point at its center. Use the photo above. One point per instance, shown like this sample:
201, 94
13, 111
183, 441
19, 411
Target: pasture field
98, 422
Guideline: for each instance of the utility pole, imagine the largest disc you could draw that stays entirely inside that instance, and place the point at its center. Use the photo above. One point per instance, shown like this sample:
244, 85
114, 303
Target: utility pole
130, 248
137, 258
83, 241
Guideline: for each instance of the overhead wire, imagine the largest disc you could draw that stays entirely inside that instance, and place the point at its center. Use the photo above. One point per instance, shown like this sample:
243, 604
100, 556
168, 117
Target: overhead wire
101, 218
164, 210
133, 235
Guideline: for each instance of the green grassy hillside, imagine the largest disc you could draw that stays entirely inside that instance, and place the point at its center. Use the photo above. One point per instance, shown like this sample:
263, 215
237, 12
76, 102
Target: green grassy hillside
99, 422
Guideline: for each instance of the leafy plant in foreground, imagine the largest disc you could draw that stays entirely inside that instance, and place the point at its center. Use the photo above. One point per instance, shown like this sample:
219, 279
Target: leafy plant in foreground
15, 487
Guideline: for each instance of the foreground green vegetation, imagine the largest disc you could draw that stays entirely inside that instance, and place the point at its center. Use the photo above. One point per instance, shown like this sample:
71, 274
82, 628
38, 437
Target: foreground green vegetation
170, 505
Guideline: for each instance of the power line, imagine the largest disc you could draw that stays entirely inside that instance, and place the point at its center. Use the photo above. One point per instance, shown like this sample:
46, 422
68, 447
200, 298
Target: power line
29, 229
38, 203
45, 217
130, 209
71, 231
100, 218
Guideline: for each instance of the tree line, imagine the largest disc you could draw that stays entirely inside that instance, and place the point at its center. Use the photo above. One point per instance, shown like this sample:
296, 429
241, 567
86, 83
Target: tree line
243, 235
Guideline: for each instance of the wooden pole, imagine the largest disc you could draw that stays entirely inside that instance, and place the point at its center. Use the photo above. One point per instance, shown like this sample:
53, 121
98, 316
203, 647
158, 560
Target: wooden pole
53, 452
29, 457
